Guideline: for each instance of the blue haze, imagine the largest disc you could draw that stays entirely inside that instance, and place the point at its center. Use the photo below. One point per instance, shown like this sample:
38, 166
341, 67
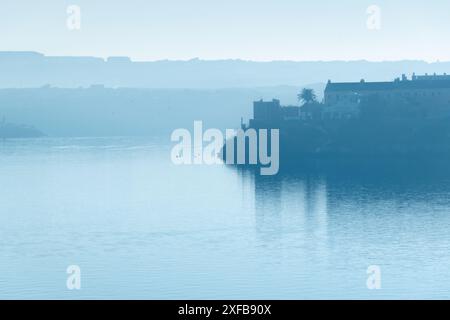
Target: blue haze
101, 192
34, 70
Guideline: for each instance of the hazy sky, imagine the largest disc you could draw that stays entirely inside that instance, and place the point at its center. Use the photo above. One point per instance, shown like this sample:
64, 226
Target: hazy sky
244, 29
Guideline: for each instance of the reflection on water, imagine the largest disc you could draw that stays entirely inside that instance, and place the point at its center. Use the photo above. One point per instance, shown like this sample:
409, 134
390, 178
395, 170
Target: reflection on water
140, 227
285, 204
340, 218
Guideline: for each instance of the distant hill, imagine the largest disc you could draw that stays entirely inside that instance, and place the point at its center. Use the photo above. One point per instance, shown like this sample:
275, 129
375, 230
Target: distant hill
12, 130
31, 69
99, 111
89, 96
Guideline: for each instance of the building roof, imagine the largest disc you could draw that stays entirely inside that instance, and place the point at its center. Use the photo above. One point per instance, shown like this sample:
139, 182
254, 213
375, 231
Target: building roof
394, 85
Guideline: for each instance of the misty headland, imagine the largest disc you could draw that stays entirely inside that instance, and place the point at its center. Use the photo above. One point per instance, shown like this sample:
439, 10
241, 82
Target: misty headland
92, 97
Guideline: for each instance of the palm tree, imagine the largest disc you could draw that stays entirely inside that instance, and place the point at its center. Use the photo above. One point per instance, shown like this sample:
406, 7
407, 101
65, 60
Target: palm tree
307, 96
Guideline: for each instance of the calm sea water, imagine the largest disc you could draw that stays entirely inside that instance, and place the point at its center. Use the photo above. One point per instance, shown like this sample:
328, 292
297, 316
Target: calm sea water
140, 227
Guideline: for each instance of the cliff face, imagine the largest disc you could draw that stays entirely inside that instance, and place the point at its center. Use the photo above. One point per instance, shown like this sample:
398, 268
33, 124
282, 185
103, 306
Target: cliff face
363, 137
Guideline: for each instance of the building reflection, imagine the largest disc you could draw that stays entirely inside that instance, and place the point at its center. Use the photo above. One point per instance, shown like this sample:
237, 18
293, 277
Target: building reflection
289, 207
319, 207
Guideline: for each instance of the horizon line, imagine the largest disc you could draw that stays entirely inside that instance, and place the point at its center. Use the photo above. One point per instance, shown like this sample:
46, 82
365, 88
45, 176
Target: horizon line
193, 59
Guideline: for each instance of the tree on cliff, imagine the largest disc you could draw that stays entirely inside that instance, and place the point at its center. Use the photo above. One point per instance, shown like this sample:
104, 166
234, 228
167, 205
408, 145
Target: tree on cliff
307, 96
